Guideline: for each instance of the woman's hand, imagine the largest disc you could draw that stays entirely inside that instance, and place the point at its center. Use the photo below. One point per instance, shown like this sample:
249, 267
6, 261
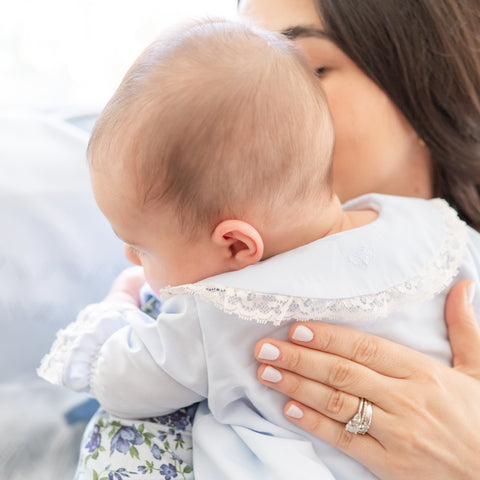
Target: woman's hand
126, 287
426, 416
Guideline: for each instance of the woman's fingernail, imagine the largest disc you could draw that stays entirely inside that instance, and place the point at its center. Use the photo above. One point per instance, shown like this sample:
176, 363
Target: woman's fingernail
302, 334
294, 412
271, 374
471, 292
268, 352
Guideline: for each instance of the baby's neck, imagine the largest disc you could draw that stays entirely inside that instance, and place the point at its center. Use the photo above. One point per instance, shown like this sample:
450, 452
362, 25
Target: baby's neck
314, 223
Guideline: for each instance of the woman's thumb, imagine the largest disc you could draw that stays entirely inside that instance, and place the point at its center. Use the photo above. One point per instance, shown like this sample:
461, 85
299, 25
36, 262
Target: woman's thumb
463, 328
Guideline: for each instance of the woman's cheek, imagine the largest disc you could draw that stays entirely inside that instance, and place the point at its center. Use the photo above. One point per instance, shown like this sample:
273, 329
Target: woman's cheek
352, 152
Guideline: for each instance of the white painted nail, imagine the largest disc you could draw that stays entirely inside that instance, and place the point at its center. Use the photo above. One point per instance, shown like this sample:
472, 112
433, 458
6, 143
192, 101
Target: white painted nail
268, 352
271, 374
302, 334
471, 292
294, 412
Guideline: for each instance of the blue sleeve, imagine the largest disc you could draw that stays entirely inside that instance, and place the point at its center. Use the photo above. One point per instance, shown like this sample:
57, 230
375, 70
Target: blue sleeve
134, 365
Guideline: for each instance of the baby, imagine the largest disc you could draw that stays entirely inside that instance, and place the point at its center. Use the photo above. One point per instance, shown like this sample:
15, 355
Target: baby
215, 153
212, 162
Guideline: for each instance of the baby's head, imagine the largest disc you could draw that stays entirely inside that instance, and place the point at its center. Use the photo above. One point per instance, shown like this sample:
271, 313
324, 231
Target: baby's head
218, 135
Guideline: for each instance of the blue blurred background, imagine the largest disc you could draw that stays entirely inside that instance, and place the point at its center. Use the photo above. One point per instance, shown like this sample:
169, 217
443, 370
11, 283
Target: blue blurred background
60, 61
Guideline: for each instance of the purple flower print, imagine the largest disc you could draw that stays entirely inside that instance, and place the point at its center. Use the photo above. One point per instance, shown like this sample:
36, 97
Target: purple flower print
157, 454
124, 438
95, 440
190, 411
180, 419
169, 471
118, 474
176, 457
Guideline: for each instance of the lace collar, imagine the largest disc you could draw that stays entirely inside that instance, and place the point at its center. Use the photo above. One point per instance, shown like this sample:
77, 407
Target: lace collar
409, 254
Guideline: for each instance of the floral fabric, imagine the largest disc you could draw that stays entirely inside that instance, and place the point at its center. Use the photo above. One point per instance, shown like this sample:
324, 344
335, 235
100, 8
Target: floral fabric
114, 448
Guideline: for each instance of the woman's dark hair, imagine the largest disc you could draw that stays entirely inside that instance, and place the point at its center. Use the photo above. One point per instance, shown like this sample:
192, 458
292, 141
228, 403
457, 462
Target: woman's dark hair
425, 54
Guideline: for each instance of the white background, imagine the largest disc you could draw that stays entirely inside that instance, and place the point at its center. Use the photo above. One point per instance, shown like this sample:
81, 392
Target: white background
57, 54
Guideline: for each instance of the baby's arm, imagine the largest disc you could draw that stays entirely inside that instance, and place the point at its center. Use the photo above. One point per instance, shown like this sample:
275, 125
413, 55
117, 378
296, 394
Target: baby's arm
135, 366
126, 287
151, 368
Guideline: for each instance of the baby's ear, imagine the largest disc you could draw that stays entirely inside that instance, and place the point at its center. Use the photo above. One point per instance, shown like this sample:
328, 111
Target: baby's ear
241, 243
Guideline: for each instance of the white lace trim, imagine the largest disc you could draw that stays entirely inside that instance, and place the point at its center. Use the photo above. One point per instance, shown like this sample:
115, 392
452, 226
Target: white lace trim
276, 309
89, 331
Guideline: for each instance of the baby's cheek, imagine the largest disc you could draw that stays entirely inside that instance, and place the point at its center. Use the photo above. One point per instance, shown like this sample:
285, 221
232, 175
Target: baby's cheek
155, 277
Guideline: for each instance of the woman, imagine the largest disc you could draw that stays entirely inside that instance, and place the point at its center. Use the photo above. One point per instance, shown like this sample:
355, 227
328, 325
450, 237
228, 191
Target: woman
403, 84
402, 80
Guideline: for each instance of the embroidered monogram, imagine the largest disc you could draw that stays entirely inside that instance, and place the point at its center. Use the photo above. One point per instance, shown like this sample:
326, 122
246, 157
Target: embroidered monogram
361, 256
276, 309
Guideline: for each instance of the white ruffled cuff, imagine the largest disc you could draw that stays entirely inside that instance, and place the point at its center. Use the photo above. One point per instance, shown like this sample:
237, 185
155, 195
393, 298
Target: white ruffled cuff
76, 349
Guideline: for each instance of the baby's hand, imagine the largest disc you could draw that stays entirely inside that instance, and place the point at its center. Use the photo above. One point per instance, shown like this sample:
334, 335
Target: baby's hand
126, 287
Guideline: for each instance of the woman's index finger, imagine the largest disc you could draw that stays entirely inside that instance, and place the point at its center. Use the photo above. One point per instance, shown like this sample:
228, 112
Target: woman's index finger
379, 354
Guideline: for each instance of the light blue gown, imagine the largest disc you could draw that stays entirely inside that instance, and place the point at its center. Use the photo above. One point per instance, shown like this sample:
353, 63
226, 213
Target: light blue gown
389, 278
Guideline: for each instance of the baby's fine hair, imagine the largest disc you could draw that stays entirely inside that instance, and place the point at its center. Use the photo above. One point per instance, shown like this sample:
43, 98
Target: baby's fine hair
218, 120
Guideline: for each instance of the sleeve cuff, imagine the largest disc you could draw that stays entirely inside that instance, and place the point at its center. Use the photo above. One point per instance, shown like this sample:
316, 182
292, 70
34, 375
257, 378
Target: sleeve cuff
76, 348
